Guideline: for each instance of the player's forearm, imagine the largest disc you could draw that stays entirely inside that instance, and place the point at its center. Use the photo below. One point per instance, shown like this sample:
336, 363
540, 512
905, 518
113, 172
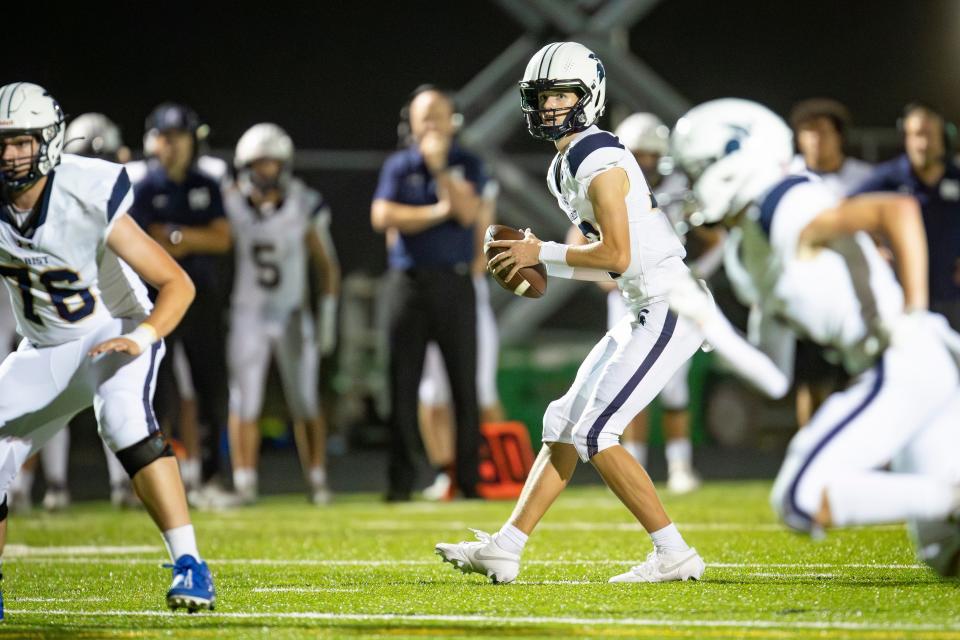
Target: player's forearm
903, 226
747, 361
213, 239
385, 214
174, 297
465, 204
588, 259
327, 273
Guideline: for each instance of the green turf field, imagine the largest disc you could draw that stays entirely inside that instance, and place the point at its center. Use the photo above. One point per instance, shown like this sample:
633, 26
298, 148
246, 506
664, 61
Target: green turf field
361, 568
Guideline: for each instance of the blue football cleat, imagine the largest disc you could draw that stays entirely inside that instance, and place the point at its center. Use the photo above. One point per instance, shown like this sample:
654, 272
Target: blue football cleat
192, 585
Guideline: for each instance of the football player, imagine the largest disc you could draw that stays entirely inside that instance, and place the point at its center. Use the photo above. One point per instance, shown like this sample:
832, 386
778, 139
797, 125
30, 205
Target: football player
70, 256
278, 223
807, 264
95, 136
601, 189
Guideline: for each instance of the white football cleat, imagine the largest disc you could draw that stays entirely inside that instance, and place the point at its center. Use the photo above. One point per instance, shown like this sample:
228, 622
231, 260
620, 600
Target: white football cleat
440, 489
681, 478
320, 495
665, 566
56, 499
484, 557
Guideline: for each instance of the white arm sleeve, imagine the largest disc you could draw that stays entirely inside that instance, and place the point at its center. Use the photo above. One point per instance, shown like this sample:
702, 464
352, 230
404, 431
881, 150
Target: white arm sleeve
744, 359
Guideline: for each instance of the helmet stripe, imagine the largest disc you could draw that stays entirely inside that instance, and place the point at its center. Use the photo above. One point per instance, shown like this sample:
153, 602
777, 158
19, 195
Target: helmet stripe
552, 56
554, 46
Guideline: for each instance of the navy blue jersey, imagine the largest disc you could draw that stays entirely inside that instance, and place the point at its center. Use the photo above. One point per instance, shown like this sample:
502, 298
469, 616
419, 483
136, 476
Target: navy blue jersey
195, 202
940, 204
405, 179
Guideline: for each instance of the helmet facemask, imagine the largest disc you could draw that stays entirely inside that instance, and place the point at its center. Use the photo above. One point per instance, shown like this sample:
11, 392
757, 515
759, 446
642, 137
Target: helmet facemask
40, 162
575, 118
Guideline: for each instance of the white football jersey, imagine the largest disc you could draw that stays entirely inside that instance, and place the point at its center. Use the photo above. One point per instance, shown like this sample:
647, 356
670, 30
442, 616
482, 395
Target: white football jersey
851, 175
271, 251
656, 253
840, 296
63, 280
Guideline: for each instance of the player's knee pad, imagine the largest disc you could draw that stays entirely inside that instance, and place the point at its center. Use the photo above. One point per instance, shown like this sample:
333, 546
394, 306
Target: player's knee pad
139, 455
4, 510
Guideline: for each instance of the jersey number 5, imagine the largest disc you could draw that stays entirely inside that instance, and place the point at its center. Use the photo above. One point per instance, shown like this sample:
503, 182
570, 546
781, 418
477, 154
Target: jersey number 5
58, 295
268, 272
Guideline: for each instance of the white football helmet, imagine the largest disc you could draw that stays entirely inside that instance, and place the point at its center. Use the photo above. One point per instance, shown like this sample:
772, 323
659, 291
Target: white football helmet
27, 108
263, 141
93, 135
563, 66
644, 133
732, 150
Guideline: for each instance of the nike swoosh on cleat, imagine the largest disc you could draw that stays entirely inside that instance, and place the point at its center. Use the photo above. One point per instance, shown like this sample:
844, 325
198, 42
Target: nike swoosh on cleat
676, 566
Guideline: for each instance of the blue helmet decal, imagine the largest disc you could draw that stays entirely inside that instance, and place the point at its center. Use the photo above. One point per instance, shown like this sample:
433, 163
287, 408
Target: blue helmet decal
738, 133
601, 73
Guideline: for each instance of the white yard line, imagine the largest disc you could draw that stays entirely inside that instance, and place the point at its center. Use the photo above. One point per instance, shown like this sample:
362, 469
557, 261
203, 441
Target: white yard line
308, 562
22, 550
15, 599
303, 590
507, 620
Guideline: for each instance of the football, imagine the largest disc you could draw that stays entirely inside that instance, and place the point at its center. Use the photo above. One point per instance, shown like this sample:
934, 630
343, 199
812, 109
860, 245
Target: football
529, 282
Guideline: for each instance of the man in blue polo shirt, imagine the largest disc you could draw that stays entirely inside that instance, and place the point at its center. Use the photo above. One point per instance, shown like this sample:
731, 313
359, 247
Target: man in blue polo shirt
427, 202
182, 209
928, 172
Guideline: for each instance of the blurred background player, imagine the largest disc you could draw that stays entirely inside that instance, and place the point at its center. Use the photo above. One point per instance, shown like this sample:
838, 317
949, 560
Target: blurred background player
820, 134
928, 171
278, 225
427, 202
436, 416
647, 138
182, 210
92, 135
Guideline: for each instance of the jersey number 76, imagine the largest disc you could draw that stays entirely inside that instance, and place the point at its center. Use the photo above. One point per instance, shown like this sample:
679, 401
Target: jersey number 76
58, 295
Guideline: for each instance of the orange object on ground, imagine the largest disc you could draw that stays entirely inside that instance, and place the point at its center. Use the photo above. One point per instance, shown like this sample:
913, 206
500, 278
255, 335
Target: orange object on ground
505, 460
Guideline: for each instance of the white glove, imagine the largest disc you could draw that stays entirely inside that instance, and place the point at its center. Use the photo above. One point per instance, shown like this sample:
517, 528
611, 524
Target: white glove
689, 298
327, 325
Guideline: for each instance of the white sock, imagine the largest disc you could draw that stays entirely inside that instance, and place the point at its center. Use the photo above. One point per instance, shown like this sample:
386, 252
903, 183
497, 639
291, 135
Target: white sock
879, 497
190, 472
669, 539
317, 476
245, 479
679, 451
638, 450
181, 541
511, 539
56, 456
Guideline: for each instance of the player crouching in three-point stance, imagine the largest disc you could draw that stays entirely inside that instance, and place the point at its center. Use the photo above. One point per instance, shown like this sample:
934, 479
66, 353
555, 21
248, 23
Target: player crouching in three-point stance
600, 187
805, 262
70, 256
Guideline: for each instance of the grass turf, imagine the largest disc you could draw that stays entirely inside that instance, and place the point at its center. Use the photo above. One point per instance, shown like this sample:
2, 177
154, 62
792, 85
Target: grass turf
285, 569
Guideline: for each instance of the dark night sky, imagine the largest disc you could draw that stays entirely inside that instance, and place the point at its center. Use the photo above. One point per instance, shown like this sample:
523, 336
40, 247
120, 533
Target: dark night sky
335, 76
